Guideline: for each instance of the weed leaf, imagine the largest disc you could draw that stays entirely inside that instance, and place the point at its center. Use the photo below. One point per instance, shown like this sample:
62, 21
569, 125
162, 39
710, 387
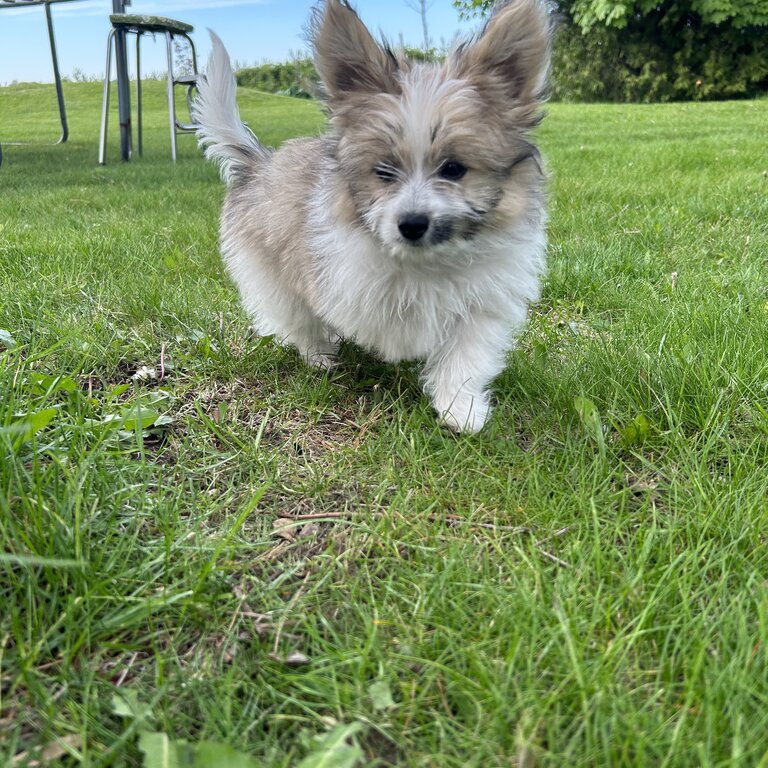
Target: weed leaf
590, 418
209, 754
118, 390
125, 703
637, 431
335, 749
159, 751
138, 417
47, 384
381, 695
29, 424
7, 340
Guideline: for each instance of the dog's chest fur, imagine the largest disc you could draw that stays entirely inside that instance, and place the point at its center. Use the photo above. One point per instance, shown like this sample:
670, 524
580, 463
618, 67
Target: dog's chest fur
406, 308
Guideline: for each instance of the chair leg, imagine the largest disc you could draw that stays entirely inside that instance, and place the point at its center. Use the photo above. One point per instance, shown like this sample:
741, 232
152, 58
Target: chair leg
57, 77
171, 97
192, 87
138, 95
105, 101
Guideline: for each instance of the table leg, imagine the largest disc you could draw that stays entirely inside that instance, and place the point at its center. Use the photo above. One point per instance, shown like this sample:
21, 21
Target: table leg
123, 87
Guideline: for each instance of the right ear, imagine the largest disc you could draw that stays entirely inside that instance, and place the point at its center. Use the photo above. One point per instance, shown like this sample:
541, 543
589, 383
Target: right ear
511, 56
347, 57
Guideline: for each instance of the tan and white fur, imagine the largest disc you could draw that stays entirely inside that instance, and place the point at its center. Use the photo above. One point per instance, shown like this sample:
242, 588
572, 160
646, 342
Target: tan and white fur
415, 226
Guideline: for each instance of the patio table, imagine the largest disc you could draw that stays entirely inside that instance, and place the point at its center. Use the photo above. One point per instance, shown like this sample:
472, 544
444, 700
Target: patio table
123, 91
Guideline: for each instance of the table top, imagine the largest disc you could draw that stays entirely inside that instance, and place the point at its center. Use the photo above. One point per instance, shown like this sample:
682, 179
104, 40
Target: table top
25, 3
118, 6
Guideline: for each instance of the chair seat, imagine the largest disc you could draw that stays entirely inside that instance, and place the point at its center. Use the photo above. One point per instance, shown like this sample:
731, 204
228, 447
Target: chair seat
139, 22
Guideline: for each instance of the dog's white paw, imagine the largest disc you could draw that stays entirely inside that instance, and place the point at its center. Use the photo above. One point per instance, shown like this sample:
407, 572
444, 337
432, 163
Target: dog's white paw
323, 360
466, 413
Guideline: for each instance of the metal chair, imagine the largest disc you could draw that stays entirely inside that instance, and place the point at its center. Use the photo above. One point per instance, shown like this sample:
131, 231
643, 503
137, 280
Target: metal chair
54, 60
139, 25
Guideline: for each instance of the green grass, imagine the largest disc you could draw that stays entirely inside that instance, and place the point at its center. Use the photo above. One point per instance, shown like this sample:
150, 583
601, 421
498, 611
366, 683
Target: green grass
584, 583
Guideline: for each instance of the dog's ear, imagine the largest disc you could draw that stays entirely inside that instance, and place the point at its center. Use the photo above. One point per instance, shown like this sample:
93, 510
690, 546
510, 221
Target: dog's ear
511, 55
347, 57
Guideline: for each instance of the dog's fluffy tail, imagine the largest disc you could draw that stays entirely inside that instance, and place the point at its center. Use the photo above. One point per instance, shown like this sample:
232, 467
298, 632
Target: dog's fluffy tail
226, 140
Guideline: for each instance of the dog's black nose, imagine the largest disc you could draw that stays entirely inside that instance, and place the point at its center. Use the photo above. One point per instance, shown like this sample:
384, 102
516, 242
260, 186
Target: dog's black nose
412, 226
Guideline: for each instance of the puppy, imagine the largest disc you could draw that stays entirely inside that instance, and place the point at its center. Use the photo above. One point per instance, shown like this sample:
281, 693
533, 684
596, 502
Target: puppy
416, 226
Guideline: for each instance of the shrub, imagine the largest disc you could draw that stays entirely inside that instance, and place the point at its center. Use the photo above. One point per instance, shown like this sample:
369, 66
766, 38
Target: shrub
647, 61
294, 78
299, 76
656, 50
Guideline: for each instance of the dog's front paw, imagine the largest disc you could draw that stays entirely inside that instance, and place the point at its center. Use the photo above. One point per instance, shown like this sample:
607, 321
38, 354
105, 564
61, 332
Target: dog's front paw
324, 356
323, 360
466, 413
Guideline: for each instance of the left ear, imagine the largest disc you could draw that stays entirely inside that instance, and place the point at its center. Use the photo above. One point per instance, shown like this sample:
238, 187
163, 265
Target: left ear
347, 57
513, 50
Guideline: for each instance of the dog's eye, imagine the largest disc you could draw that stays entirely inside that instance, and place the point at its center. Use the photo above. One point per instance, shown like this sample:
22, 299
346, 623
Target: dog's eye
452, 170
386, 172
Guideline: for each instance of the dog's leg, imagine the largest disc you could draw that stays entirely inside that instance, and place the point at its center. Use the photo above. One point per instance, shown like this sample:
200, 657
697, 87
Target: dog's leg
458, 374
276, 312
316, 344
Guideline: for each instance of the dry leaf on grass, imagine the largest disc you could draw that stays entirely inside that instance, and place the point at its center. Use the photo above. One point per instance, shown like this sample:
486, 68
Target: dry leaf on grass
294, 659
49, 753
284, 528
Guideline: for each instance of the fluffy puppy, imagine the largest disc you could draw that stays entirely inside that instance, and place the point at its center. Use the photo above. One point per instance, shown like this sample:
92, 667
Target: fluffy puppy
416, 225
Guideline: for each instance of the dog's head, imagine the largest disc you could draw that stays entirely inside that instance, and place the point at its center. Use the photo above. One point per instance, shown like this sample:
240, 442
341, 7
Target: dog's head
433, 153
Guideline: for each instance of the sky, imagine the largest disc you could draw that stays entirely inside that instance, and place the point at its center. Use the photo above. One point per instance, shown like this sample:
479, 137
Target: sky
254, 31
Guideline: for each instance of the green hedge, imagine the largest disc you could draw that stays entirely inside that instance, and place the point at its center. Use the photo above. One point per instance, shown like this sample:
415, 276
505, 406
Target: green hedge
649, 60
646, 62
299, 77
293, 78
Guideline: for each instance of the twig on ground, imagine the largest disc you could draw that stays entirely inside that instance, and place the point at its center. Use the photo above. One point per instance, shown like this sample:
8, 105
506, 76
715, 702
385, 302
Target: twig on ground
162, 361
552, 557
435, 518
284, 617
126, 670
318, 515
458, 520
558, 533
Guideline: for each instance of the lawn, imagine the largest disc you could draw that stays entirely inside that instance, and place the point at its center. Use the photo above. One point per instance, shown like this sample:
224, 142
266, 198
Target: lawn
207, 547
